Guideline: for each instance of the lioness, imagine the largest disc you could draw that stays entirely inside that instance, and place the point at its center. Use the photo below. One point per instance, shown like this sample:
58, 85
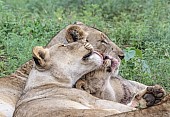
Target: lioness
94, 36
49, 85
11, 88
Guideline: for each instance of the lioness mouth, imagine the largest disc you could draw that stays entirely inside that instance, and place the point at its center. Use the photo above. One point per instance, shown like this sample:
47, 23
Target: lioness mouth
90, 53
99, 54
87, 55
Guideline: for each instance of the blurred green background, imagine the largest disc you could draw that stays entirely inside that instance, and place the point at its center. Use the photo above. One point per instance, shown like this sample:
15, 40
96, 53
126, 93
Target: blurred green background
140, 27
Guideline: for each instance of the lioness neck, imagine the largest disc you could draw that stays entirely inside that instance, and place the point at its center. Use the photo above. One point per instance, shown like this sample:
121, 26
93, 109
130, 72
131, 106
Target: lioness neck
38, 78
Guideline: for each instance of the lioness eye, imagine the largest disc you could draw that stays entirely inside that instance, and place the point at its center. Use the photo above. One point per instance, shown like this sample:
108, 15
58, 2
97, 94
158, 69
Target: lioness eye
104, 41
85, 57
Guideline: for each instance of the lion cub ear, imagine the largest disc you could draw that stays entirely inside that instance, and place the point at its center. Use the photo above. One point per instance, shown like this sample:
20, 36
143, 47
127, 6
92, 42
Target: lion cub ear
41, 56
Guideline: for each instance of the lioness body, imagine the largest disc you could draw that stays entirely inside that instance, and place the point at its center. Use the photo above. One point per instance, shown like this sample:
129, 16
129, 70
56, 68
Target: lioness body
11, 88
162, 110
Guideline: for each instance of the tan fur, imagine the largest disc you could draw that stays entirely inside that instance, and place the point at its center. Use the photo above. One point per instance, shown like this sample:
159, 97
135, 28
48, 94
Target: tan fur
11, 89
75, 33
116, 89
96, 38
161, 110
120, 90
22, 73
50, 88
97, 82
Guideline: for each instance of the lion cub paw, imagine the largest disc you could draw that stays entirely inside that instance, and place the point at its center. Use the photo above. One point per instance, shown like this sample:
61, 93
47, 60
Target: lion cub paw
107, 65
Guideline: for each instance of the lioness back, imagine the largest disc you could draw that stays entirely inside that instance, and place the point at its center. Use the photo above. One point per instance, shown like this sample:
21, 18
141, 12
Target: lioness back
11, 89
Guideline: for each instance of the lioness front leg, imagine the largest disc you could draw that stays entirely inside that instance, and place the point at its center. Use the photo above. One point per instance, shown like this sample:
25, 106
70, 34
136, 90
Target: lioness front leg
150, 96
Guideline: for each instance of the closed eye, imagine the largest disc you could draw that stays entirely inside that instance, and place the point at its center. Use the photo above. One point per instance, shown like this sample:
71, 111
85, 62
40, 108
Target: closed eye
85, 57
104, 41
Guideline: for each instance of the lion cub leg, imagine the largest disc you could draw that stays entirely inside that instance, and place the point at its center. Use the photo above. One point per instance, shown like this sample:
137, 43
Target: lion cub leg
150, 96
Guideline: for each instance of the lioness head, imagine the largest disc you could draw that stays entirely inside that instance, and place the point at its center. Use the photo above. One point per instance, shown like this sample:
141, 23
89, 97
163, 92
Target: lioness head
63, 64
98, 39
80, 31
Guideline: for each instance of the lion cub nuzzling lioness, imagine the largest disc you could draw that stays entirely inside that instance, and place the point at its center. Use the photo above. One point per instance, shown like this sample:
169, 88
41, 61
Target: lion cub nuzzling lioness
49, 85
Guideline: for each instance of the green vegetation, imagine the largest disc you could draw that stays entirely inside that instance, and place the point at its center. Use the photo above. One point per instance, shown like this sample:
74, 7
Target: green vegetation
140, 27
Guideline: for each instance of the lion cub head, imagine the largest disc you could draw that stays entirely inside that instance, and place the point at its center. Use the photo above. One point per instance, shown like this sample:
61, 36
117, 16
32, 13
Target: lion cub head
96, 81
62, 65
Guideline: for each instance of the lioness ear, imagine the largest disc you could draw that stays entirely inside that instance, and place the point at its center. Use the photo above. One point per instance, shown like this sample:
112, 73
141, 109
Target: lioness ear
75, 33
40, 56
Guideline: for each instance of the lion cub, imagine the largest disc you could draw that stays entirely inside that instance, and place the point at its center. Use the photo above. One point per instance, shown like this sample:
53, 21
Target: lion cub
97, 82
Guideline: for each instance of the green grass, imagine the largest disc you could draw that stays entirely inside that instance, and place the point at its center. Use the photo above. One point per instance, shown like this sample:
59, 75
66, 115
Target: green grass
140, 27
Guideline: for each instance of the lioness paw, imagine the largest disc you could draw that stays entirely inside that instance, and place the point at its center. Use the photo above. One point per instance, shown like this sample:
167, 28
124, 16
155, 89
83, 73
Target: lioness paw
88, 46
150, 96
156, 93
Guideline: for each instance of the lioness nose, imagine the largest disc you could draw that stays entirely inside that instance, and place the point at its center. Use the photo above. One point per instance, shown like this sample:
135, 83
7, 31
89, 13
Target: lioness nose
121, 55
